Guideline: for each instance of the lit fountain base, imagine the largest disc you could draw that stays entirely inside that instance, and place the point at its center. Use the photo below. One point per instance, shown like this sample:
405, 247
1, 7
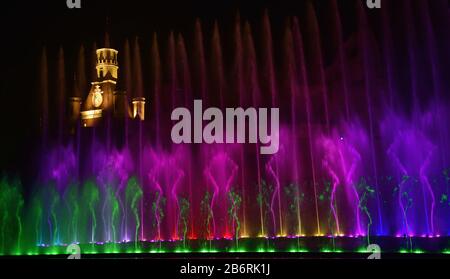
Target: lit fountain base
322, 246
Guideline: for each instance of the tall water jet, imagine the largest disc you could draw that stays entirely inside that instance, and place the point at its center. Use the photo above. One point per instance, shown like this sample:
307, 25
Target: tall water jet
342, 61
199, 63
388, 54
364, 43
172, 71
217, 68
184, 70
415, 87
93, 76
268, 64
156, 87
412, 59
269, 76
43, 99
303, 76
80, 85
317, 78
293, 87
61, 94
139, 92
239, 90
253, 90
128, 81
186, 85
200, 90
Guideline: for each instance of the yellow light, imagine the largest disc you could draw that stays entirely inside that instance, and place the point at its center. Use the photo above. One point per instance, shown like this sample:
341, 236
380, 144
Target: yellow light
91, 114
139, 108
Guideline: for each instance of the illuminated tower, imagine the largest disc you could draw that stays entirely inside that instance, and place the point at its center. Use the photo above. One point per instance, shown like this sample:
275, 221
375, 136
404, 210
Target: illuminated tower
101, 96
107, 66
104, 98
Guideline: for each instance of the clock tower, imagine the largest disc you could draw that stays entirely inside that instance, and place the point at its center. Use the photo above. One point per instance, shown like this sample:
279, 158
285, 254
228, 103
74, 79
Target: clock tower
101, 96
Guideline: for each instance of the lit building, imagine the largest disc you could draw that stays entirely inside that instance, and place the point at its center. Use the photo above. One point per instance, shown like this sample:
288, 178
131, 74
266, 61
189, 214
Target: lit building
103, 98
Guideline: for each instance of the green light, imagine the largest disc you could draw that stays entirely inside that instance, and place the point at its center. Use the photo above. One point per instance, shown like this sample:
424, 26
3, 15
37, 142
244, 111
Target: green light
362, 250
298, 250
182, 251
208, 251
326, 250
241, 250
179, 248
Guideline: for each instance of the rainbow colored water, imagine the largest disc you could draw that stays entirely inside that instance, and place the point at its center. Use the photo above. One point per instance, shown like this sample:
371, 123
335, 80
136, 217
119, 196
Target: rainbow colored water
364, 145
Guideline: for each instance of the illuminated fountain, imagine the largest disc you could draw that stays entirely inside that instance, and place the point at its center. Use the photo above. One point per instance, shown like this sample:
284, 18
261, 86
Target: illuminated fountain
363, 157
